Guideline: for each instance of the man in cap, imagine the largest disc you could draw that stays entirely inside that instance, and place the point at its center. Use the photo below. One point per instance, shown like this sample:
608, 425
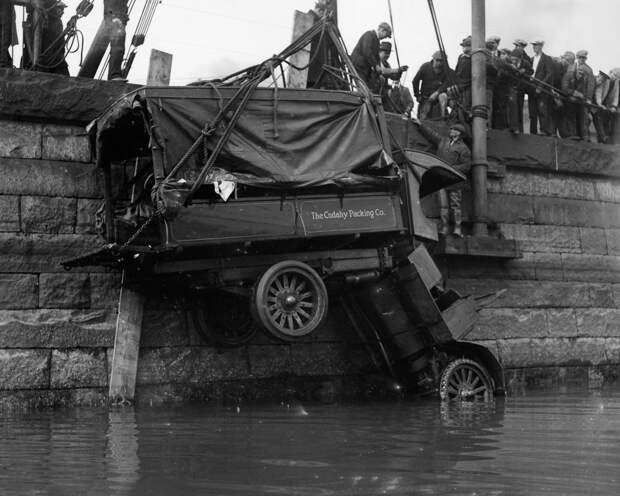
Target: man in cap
385, 49
614, 116
454, 152
520, 69
564, 124
578, 83
462, 72
365, 56
538, 97
52, 54
430, 85
606, 98
401, 99
492, 44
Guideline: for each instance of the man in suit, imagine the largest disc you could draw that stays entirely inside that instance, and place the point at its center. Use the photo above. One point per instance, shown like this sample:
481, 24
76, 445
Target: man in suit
538, 97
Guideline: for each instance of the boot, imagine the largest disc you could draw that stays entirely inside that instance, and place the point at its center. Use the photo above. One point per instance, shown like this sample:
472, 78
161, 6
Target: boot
457, 223
444, 216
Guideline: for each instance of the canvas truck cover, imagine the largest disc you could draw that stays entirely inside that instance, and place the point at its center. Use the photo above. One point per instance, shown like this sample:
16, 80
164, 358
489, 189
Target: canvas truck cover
284, 138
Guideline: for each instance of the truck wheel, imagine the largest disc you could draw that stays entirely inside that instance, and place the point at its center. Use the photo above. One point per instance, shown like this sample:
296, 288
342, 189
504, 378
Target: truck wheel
465, 380
223, 318
290, 300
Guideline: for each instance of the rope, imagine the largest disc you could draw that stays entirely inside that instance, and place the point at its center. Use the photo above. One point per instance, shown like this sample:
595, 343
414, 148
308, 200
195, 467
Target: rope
393, 32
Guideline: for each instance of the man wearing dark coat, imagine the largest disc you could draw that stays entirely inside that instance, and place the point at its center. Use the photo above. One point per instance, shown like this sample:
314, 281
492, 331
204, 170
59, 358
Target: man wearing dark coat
538, 97
430, 86
452, 150
578, 83
52, 55
462, 73
8, 33
365, 56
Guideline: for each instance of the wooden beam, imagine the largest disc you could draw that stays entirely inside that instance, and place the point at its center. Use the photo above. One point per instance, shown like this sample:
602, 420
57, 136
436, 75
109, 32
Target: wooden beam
299, 79
126, 344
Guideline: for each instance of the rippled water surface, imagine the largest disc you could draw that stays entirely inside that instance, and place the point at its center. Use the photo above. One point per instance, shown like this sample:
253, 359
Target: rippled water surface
543, 443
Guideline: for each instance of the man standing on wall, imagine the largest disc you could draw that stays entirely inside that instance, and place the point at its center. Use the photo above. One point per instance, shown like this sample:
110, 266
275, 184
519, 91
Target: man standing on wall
8, 33
538, 99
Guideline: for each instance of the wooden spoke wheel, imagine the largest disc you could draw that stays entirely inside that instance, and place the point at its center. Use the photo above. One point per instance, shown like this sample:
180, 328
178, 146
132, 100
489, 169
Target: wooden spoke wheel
224, 318
465, 380
290, 300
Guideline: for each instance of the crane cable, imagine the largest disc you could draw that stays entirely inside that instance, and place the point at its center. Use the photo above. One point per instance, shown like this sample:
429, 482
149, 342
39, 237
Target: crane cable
144, 23
393, 32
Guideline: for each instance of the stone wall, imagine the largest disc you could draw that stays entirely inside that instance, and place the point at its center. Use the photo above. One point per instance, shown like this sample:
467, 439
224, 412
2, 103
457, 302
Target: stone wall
560, 313
558, 318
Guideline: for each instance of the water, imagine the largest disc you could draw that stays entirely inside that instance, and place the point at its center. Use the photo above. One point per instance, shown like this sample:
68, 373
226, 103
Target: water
538, 444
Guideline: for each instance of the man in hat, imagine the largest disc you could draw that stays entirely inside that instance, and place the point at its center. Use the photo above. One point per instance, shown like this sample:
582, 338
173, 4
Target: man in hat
606, 97
520, 70
8, 33
385, 49
578, 83
365, 56
430, 86
538, 97
454, 152
401, 99
462, 72
52, 49
492, 45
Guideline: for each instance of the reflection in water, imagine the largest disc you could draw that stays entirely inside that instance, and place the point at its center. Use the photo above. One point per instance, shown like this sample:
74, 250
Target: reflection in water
121, 455
536, 444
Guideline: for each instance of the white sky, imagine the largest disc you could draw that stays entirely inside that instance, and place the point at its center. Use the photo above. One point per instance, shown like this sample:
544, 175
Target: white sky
210, 38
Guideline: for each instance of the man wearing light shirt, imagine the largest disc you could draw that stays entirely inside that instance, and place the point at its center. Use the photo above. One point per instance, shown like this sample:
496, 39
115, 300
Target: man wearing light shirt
538, 97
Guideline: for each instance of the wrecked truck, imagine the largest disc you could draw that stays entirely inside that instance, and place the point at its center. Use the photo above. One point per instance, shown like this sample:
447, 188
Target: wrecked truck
271, 203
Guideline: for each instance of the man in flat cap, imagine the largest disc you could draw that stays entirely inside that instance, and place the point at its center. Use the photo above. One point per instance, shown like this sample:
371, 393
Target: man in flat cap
539, 102
385, 49
521, 70
461, 91
365, 57
452, 150
430, 86
578, 83
492, 44
606, 98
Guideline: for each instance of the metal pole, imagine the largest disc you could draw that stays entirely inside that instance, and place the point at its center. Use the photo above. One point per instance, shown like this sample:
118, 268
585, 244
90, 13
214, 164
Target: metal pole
480, 116
37, 21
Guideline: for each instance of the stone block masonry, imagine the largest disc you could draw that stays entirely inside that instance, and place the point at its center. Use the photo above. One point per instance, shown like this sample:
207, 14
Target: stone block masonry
560, 311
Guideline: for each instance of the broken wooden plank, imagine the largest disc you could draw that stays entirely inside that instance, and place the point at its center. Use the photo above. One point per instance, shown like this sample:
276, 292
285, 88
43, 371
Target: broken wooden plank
126, 344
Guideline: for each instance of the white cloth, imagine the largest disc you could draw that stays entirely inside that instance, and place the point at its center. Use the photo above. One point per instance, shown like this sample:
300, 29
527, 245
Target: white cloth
535, 62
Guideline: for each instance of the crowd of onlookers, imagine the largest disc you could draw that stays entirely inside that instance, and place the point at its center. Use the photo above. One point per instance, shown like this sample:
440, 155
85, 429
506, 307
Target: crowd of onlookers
564, 97
563, 94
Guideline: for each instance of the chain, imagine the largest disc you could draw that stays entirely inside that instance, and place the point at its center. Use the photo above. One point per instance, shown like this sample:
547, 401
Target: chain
148, 221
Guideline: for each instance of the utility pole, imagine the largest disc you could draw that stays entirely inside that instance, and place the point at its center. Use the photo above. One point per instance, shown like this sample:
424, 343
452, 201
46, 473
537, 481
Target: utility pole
480, 164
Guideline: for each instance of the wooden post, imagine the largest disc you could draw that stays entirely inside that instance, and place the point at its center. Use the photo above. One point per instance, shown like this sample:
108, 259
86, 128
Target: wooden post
479, 125
299, 79
96, 51
126, 344
160, 66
